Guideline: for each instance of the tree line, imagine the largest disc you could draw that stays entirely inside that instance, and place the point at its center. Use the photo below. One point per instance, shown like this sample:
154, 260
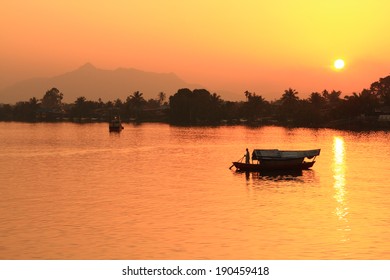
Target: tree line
199, 106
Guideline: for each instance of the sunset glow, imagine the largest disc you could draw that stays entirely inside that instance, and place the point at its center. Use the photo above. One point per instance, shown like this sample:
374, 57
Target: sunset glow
339, 64
261, 46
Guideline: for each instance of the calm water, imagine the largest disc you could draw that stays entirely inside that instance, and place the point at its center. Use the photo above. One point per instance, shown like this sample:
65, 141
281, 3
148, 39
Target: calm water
70, 191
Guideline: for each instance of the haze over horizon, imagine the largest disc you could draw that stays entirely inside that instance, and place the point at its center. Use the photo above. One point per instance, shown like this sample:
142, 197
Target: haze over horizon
263, 47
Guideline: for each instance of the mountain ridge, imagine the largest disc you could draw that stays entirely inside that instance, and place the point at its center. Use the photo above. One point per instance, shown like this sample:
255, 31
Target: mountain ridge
94, 83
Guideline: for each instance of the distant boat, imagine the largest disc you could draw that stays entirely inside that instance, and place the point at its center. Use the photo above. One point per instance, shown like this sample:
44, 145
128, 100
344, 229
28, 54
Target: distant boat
273, 160
115, 125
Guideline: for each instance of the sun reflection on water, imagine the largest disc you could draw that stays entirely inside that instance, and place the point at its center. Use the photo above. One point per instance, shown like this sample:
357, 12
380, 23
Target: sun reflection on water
339, 168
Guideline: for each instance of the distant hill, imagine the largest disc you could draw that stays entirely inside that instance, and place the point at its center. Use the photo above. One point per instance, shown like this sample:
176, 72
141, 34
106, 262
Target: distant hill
94, 83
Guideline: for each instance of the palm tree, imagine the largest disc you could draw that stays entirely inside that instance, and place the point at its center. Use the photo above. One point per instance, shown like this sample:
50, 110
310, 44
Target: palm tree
362, 103
161, 97
79, 106
135, 102
248, 94
255, 106
290, 96
317, 100
332, 98
289, 105
118, 103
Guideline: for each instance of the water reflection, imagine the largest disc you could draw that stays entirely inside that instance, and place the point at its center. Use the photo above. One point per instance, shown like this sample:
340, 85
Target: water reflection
339, 168
281, 175
143, 194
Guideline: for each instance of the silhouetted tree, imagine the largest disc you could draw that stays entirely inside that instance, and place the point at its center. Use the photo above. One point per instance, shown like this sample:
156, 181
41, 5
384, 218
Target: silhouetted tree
152, 104
161, 97
255, 106
381, 89
118, 103
288, 105
317, 100
134, 104
231, 110
216, 104
213, 103
181, 106
333, 98
100, 103
24, 111
201, 105
290, 96
6, 112
333, 104
198, 106
362, 103
109, 105
306, 114
52, 100
85, 108
79, 109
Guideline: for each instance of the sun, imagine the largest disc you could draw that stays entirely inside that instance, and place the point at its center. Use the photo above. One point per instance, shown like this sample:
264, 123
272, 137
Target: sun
339, 64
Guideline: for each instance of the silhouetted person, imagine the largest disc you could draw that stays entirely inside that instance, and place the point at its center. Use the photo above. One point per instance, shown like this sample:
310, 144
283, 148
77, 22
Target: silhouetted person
247, 156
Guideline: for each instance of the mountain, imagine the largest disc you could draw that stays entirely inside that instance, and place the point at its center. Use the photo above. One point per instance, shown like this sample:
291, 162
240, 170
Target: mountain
94, 83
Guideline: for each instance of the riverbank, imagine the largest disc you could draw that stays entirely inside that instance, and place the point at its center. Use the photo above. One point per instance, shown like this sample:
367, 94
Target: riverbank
368, 110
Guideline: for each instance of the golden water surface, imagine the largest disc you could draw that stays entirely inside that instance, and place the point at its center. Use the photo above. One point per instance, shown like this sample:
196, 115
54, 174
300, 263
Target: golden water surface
154, 191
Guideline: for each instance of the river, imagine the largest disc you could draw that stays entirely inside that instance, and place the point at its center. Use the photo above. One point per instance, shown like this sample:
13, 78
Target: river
155, 191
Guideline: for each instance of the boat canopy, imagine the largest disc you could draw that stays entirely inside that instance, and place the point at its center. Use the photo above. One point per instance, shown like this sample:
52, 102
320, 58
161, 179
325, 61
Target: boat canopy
278, 154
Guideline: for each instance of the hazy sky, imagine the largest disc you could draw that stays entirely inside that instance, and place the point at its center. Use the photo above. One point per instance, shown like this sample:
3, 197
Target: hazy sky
260, 46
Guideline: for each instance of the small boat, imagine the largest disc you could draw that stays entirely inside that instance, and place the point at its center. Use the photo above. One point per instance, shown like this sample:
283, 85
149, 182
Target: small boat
274, 160
115, 125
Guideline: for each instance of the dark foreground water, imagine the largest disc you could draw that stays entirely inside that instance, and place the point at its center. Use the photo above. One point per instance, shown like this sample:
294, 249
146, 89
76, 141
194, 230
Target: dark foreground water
70, 191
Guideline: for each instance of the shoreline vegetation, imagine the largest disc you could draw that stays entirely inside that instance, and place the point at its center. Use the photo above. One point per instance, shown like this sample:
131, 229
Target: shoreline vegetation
367, 110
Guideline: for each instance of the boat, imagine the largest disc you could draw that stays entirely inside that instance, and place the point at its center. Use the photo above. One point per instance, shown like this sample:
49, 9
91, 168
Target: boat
277, 160
115, 125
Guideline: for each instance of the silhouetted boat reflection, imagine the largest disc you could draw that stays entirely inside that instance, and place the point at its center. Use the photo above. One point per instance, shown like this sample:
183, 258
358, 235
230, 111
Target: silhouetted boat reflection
274, 175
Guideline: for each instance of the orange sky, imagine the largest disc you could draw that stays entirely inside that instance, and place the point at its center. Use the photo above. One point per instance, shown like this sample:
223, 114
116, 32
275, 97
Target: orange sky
260, 46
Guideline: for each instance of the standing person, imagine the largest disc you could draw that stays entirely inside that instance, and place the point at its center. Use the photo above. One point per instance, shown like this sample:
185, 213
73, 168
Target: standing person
247, 157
